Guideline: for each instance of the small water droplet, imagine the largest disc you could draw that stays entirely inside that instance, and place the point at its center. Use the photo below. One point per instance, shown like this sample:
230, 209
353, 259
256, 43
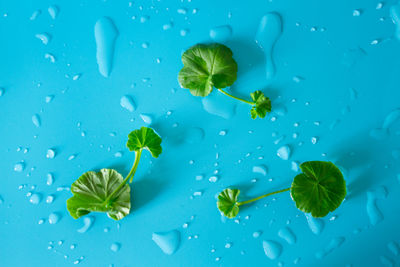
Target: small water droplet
314, 140
115, 247
54, 218
221, 33
44, 37
35, 14
356, 12
49, 199
51, 153
19, 167
257, 234
374, 214
284, 152
36, 120
53, 11
49, 179
35, 199
87, 223
127, 103
287, 235
261, 169
333, 244
213, 179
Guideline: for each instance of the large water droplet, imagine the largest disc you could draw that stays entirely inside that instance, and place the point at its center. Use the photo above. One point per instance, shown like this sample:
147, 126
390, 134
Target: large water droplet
194, 135
127, 103
374, 214
316, 225
51, 153
221, 33
167, 241
105, 34
333, 244
146, 118
87, 223
272, 249
269, 30
287, 235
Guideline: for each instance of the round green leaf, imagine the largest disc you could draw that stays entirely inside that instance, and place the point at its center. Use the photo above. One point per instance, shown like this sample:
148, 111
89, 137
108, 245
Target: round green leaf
207, 66
262, 105
145, 138
320, 189
227, 202
91, 191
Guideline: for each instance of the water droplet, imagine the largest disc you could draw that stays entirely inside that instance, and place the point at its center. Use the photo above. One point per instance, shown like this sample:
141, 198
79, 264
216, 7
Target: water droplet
316, 225
87, 223
183, 32
221, 33
333, 244
295, 166
272, 249
36, 120
284, 152
105, 34
395, 15
53, 11
213, 179
44, 37
50, 179
386, 261
167, 26
199, 177
51, 153
298, 79
261, 169
127, 103
392, 117
167, 241
374, 214
35, 14
49, 199
54, 218
73, 156
269, 30
356, 12
314, 140
228, 245
379, 5
287, 235
115, 247
256, 234
50, 57
378, 133
19, 167
41, 221
182, 11
35, 199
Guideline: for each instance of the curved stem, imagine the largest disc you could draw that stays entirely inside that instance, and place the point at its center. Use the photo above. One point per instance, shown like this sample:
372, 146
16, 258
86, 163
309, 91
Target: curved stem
130, 175
237, 98
260, 197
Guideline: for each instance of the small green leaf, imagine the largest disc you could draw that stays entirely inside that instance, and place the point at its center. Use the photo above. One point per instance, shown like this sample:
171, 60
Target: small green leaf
320, 189
91, 191
207, 66
227, 202
262, 105
145, 138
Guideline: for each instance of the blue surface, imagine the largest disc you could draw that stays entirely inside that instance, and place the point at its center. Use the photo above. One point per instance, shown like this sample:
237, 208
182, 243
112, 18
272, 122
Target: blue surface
328, 70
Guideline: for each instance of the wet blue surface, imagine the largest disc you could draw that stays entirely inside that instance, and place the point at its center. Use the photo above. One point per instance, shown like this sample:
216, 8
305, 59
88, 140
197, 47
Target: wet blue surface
336, 79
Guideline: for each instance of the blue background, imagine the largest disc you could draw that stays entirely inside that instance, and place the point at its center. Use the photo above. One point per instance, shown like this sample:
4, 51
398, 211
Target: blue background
334, 61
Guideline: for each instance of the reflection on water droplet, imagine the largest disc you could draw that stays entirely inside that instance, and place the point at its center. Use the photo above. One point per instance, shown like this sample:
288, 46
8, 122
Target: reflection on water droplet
87, 223
272, 249
333, 244
127, 103
36, 120
221, 33
105, 34
167, 241
268, 32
